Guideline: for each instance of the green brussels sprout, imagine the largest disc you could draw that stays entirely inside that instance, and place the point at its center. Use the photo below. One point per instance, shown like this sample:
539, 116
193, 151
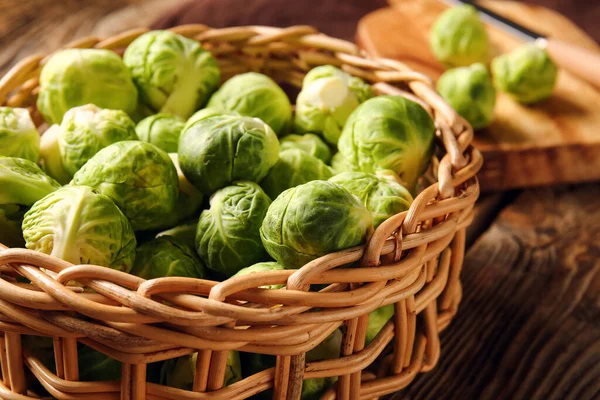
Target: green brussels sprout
174, 74
139, 177
254, 95
308, 143
185, 232
294, 168
527, 74
389, 132
81, 226
228, 236
339, 164
217, 151
205, 113
11, 218
311, 220
23, 182
469, 90
162, 130
458, 37
383, 196
377, 319
84, 131
326, 101
75, 77
179, 372
262, 267
167, 256
18, 135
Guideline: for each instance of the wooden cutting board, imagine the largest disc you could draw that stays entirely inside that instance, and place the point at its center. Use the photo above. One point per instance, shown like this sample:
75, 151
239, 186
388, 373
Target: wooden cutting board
555, 141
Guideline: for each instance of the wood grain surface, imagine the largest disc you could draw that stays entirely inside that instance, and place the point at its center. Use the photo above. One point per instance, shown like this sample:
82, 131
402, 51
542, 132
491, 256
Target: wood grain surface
554, 141
529, 324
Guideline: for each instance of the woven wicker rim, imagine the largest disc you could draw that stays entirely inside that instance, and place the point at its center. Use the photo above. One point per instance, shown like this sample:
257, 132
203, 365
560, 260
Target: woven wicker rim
412, 260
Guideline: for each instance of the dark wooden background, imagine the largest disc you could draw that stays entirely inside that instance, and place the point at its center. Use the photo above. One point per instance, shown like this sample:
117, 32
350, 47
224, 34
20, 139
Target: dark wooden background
529, 324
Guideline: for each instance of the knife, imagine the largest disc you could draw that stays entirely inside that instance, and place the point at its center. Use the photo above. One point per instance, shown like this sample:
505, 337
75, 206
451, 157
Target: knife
577, 60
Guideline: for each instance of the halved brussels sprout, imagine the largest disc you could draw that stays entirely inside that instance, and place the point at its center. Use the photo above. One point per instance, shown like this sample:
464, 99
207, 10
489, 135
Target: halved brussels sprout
75, 77
84, 131
527, 74
382, 195
179, 372
254, 95
469, 90
18, 135
458, 37
328, 97
228, 237
174, 74
311, 220
219, 150
162, 130
81, 226
294, 168
262, 267
167, 256
388, 132
23, 182
308, 143
377, 319
139, 177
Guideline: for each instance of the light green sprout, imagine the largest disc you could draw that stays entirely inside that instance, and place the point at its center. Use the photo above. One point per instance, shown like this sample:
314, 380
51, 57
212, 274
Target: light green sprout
75, 77
81, 226
254, 95
308, 143
167, 256
162, 130
18, 135
173, 74
262, 267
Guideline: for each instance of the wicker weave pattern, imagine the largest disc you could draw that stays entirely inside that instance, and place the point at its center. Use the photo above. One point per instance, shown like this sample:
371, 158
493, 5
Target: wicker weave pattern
413, 261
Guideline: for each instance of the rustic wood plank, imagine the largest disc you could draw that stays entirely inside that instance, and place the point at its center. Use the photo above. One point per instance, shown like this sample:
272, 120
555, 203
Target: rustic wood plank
529, 323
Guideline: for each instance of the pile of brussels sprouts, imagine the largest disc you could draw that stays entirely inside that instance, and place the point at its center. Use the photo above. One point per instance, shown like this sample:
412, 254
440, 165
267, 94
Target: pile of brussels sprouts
150, 166
460, 42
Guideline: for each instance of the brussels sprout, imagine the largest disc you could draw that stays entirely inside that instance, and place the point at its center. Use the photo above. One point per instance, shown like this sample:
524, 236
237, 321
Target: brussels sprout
327, 99
11, 218
311, 220
339, 164
162, 130
166, 256
381, 195
84, 131
174, 74
527, 74
262, 267
254, 95
18, 135
75, 77
458, 38
205, 113
389, 132
80, 226
228, 236
217, 151
139, 177
23, 182
185, 233
179, 372
294, 168
377, 319
308, 143
469, 90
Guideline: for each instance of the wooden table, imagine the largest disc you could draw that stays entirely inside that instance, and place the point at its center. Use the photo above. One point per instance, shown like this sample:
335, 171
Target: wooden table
529, 323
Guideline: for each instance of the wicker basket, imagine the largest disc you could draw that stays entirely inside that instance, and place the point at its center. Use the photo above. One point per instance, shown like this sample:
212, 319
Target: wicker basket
413, 260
